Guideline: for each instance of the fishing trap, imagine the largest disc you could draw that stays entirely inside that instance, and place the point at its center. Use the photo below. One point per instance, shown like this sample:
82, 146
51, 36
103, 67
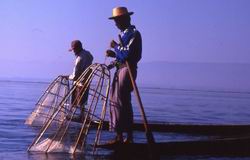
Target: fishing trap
58, 110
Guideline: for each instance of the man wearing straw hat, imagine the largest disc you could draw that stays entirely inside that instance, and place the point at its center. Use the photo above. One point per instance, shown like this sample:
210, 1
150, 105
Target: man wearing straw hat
83, 60
128, 49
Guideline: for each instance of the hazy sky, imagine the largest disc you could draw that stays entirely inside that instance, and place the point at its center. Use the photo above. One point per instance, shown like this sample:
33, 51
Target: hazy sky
35, 35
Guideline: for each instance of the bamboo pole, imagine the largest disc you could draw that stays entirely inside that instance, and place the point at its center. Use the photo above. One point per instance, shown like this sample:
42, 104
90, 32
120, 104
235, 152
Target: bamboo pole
148, 132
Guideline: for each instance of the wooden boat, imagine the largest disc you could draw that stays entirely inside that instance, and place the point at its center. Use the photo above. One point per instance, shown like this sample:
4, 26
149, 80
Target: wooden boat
55, 108
236, 146
198, 129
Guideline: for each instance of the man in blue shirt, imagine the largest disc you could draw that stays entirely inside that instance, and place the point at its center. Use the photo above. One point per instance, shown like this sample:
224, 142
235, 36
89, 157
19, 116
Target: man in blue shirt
128, 49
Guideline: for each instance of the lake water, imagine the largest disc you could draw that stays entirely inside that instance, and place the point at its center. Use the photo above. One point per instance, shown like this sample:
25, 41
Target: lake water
17, 100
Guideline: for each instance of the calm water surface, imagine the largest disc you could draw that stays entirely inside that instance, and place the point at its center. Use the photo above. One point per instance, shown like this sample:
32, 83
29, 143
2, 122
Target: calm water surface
17, 100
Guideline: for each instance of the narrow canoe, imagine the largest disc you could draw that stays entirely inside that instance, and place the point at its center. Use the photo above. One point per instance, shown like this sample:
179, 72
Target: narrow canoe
239, 146
199, 129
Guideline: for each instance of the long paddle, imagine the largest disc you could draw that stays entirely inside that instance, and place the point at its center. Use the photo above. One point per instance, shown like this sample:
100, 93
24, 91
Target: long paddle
148, 132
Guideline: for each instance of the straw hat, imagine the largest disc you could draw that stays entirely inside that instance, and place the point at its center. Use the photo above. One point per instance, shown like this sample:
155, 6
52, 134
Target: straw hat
120, 11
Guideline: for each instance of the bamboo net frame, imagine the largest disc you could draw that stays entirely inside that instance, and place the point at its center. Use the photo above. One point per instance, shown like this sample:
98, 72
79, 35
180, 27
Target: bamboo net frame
68, 135
49, 102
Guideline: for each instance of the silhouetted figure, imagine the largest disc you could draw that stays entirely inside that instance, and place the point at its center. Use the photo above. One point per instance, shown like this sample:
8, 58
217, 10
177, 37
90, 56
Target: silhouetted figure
128, 49
83, 60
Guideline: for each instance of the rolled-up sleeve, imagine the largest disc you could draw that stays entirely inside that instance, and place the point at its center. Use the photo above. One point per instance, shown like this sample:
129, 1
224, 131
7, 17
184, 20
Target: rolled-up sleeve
122, 52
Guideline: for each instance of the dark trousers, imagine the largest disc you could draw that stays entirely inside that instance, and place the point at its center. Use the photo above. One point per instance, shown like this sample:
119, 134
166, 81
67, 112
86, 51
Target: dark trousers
78, 97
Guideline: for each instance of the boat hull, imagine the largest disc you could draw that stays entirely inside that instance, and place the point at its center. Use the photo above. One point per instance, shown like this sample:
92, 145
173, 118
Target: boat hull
218, 147
198, 129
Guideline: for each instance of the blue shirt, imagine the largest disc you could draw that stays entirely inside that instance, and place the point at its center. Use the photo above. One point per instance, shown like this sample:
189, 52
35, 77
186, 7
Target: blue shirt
131, 46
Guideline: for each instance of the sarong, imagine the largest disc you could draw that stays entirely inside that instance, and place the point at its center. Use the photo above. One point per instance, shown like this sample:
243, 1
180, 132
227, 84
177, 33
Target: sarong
121, 112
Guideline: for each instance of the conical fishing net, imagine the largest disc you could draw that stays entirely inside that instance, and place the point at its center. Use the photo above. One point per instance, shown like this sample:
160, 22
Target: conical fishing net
68, 127
49, 103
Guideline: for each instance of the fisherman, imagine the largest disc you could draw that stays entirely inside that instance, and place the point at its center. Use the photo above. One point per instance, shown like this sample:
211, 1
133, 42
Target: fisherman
83, 60
128, 49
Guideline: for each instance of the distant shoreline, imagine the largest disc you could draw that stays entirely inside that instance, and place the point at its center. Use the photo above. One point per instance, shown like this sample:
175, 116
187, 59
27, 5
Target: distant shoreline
142, 86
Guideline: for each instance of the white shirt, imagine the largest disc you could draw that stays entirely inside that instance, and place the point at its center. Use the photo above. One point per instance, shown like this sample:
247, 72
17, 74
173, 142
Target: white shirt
83, 60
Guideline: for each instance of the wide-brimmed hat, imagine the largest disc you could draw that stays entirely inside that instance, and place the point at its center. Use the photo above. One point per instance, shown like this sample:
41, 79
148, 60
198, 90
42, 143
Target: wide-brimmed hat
120, 11
75, 44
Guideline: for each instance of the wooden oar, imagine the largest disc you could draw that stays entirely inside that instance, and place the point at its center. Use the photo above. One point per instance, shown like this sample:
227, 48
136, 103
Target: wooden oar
148, 132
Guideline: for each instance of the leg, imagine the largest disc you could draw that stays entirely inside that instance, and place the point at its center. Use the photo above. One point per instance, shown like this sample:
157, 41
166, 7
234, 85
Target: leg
78, 101
126, 98
83, 101
121, 112
119, 137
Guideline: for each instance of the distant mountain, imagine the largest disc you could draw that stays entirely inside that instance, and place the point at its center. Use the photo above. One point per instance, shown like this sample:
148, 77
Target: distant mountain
213, 76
